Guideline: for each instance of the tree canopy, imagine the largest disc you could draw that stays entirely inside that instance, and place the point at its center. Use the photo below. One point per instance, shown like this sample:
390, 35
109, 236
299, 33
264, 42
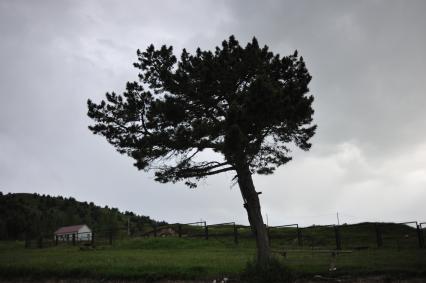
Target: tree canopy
245, 103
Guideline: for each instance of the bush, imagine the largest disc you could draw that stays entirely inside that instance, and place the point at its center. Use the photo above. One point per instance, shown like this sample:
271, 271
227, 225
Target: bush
275, 272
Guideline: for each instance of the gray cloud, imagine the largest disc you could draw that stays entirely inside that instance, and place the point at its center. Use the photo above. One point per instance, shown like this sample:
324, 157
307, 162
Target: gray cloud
368, 64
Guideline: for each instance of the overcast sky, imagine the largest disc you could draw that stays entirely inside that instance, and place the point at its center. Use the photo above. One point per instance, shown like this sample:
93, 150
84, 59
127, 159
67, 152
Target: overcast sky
367, 59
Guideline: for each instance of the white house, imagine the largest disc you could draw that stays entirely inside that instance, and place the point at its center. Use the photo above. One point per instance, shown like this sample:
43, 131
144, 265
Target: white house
81, 232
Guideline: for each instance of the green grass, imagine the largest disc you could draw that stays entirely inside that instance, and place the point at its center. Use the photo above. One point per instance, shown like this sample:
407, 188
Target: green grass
174, 258
146, 258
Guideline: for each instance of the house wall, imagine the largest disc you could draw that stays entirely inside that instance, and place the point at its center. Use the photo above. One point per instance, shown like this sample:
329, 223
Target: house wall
65, 237
84, 234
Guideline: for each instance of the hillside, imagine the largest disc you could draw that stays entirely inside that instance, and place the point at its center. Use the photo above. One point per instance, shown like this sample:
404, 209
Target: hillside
30, 215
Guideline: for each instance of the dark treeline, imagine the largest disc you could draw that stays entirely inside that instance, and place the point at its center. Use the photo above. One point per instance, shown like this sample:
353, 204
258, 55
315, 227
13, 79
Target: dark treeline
29, 215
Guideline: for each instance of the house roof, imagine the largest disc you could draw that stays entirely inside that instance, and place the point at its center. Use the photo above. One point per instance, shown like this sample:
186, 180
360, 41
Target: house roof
69, 229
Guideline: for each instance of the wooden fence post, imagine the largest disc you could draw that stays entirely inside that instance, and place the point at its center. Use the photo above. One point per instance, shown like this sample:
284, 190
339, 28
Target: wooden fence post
206, 231
93, 239
299, 237
73, 239
338, 240
420, 236
235, 234
180, 230
379, 237
56, 240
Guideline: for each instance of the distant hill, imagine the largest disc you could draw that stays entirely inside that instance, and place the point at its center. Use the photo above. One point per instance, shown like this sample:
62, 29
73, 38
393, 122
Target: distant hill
24, 214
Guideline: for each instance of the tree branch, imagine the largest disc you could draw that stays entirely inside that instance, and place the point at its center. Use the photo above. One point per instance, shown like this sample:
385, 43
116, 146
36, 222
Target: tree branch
202, 174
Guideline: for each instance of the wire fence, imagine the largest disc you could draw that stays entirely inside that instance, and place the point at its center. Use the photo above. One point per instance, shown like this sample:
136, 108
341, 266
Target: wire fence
406, 235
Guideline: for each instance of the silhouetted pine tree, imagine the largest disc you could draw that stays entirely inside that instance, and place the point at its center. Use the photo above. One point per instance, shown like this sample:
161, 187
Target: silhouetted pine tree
246, 104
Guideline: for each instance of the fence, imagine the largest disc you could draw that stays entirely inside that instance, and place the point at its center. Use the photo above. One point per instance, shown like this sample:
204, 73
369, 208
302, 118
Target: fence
99, 237
223, 230
290, 236
354, 236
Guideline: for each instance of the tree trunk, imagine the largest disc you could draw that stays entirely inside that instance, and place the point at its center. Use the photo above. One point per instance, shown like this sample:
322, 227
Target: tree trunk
252, 205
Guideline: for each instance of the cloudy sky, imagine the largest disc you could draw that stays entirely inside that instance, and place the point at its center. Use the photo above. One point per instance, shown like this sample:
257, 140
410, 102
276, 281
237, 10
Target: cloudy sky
368, 63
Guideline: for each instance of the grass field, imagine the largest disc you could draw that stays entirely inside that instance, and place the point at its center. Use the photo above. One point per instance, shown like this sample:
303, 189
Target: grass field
175, 258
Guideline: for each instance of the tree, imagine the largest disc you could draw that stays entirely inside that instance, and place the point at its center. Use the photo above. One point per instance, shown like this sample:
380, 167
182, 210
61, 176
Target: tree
244, 104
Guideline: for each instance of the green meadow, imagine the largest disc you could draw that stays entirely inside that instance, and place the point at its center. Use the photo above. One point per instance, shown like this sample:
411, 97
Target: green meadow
189, 258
